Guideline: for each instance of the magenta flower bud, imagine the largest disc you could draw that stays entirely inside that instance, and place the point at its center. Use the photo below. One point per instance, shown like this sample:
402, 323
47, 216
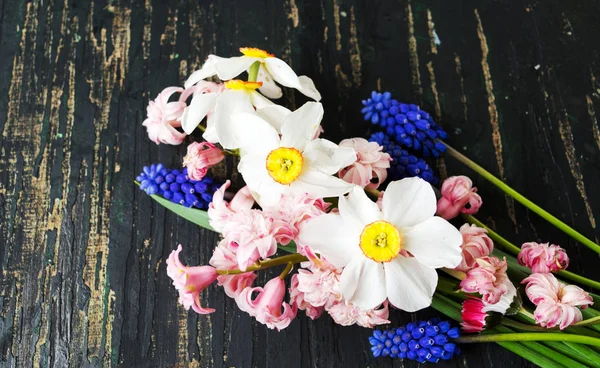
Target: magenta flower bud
473, 316
543, 258
457, 193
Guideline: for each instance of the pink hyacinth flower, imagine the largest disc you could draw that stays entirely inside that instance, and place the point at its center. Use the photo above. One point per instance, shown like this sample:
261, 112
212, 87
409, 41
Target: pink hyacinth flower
349, 314
473, 315
457, 193
164, 117
201, 157
297, 299
224, 259
476, 244
556, 303
190, 281
543, 258
266, 306
488, 278
370, 163
220, 211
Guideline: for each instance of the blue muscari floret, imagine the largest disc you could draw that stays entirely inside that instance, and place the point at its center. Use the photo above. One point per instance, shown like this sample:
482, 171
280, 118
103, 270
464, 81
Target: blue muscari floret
403, 163
176, 186
410, 126
424, 341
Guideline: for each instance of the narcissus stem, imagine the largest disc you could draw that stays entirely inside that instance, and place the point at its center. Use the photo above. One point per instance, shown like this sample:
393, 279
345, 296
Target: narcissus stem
253, 71
520, 198
529, 336
290, 258
589, 321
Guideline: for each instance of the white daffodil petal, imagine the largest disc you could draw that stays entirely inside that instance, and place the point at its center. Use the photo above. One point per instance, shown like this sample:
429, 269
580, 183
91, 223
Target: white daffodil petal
259, 101
200, 106
210, 134
269, 88
266, 190
327, 156
363, 283
229, 68
410, 285
300, 126
434, 242
274, 115
357, 209
408, 202
281, 72
207, 71
319, 185
329, 236
254, 134
230, 103
307, 88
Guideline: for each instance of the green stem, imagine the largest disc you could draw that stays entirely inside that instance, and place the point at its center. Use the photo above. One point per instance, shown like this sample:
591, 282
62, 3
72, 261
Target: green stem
290, 258
529, 336
253, 71
510, 247
459, 275
286, 271
587, 322
526, 202
522, 326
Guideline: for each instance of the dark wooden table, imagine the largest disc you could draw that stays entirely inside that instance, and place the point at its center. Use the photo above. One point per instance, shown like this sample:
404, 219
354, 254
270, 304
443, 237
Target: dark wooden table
82, 250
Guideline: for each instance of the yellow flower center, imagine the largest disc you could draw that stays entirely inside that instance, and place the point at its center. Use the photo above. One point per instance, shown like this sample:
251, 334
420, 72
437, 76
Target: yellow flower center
380, 241
241, 85
285, 164
254, 52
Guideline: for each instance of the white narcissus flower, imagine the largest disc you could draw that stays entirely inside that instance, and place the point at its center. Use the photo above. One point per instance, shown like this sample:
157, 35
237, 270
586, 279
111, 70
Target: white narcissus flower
293, 163
271, 70
237, 97
390, 253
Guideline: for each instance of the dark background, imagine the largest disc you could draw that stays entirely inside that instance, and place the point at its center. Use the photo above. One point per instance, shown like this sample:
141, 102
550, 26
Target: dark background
82, 251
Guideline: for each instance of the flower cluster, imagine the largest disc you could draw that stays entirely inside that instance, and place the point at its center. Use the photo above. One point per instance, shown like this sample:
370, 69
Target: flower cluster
424, 341
176, 186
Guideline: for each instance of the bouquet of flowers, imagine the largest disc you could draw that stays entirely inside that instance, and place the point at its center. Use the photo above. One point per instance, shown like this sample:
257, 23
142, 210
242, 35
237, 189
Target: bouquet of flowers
356, 227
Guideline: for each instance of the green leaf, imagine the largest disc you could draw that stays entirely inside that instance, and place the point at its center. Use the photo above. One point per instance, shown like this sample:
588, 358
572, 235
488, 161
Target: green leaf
196, 216
290, 248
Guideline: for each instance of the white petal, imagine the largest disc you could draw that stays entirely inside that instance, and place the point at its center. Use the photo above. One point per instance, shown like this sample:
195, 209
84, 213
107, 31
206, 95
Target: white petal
259, 101
229, 68
200, 106
408, 202
307, 88
409, 284
363, 283
434, 242
300, 126
357, 209
329, 236
254, 134
266, 191
274, 114
207, 70
269, 88
319, 185
282, 73
210, 134
327, 156
228, 104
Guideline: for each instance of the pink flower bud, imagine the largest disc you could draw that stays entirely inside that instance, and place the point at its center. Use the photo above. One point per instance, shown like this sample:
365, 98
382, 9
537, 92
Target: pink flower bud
473, 316
298, 301
476, 244
556, 303
225, 259
190, 281
266, 306
543, 258
201, 157
164, 117
370, 163
457, 192
488, 278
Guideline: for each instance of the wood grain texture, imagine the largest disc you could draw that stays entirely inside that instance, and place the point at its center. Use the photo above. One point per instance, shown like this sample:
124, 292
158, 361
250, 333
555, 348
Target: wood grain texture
82, 252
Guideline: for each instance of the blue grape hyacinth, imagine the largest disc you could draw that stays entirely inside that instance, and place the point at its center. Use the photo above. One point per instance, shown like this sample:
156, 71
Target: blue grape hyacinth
424, 341
410, 126
403, 163
176, 186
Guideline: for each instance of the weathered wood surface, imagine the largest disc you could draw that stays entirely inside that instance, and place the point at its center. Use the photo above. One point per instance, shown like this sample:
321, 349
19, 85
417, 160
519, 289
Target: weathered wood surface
82, 251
